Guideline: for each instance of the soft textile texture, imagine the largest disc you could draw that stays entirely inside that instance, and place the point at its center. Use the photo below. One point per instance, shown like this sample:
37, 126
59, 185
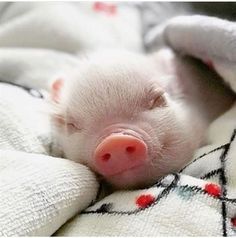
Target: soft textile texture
39, 193
69, 26
41, 40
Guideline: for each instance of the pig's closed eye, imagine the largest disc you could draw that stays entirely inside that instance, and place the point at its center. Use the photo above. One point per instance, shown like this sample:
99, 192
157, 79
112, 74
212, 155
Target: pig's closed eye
72, 127
70, 124
158, 101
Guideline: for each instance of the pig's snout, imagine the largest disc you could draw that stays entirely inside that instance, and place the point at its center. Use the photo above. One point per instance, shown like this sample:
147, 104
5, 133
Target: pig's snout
118, 153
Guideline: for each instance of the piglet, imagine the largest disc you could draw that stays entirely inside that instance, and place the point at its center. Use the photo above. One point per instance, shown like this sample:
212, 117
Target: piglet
134, 118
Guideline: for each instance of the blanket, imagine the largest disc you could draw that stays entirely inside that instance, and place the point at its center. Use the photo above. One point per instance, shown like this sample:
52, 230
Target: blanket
44, 194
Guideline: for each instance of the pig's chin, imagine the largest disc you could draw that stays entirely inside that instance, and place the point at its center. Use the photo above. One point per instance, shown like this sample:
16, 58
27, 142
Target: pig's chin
137, 177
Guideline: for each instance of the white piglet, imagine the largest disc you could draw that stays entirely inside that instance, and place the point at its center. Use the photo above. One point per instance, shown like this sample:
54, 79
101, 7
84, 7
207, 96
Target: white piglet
134, 118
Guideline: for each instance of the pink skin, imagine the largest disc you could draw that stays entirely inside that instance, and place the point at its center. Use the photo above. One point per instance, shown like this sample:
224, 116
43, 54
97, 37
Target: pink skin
134, 118
118, 153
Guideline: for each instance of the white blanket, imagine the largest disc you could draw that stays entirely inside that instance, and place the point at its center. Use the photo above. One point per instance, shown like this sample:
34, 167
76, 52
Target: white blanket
39, 193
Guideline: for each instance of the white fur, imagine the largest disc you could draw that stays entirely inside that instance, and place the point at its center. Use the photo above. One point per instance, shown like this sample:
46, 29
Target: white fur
114, 89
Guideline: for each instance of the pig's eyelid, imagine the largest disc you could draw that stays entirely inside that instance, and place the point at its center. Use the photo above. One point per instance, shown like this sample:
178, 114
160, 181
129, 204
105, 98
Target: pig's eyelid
159, 100
74, 125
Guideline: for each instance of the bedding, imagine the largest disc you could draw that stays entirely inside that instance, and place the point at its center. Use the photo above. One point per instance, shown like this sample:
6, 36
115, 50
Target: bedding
39, 193
44, 194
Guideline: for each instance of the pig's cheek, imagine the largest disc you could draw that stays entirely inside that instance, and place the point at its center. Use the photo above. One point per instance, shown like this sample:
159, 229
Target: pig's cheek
73, 147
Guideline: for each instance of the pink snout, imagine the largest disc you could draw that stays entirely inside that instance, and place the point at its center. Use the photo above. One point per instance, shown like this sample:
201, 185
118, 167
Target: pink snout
118, 153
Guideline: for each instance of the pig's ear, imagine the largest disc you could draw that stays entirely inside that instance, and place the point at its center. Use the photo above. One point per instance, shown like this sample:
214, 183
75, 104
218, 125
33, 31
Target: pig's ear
56, 89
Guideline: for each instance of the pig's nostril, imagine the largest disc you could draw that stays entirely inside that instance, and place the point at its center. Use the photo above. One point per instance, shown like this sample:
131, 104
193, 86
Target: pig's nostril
106, 157
119, 153
130, 149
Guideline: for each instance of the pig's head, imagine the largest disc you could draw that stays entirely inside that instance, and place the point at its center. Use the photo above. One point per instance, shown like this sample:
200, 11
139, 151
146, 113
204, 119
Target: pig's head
116, 116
